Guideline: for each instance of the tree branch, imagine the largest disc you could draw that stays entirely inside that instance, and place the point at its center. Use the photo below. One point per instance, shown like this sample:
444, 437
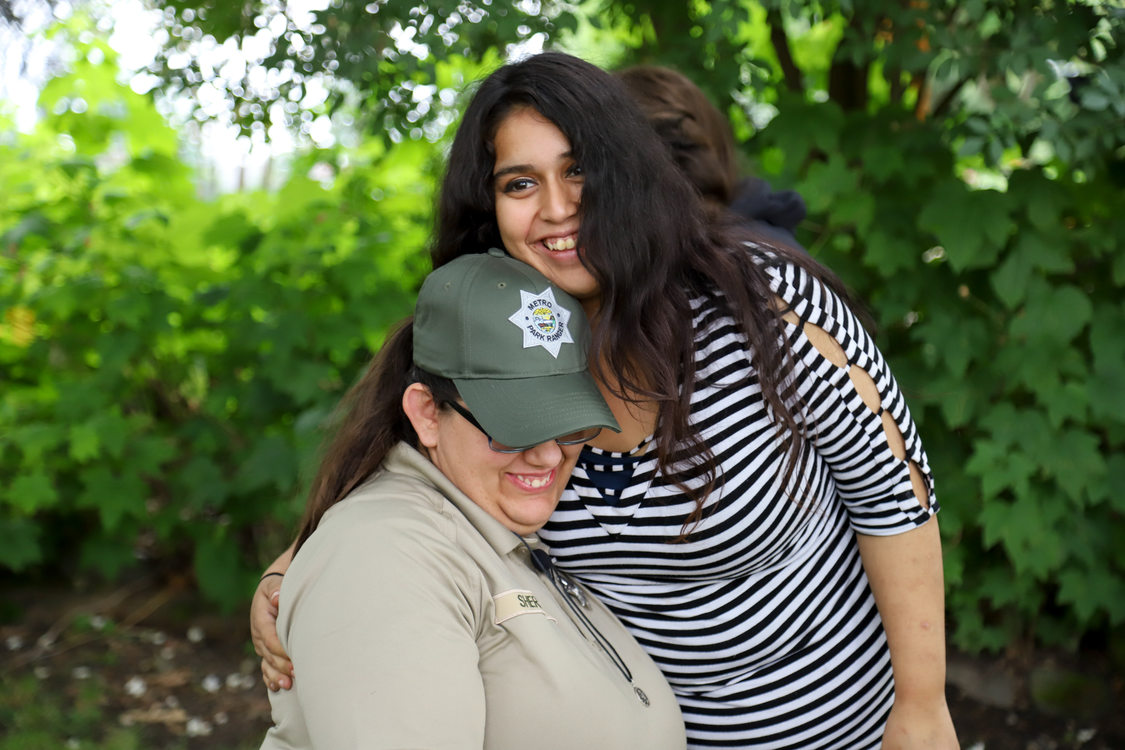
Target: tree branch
847, 80
794, 79
948, 98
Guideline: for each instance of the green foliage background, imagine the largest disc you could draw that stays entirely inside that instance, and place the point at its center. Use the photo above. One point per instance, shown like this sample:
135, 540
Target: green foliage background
167, 361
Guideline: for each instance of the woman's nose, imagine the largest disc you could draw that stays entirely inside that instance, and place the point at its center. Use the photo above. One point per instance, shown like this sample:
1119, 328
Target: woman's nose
560, 201
545, 454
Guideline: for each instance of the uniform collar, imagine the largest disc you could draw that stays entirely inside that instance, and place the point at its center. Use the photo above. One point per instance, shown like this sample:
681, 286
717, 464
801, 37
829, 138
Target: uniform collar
403, 459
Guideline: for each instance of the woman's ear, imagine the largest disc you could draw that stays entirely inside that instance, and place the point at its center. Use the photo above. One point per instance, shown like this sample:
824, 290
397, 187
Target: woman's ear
422, 411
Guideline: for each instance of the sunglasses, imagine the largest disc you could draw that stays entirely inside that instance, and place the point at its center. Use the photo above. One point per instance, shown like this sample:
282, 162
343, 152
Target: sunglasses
574, 438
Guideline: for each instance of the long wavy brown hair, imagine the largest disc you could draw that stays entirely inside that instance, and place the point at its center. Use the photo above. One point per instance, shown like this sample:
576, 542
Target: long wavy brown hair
647, 241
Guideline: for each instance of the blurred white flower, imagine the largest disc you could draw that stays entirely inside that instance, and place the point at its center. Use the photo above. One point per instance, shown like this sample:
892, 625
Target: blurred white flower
239, 681
197, 727
135, 687
212, 683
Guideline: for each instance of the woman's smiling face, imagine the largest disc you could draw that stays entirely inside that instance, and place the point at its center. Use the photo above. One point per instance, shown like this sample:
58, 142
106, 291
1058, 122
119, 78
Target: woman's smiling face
520, 490
537, 186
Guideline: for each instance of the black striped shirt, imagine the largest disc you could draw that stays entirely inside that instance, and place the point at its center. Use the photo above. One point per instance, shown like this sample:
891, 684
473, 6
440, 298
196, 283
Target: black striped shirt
763, 621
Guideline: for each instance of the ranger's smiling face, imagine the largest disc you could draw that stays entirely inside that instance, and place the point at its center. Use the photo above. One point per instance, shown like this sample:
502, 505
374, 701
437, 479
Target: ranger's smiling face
520, 490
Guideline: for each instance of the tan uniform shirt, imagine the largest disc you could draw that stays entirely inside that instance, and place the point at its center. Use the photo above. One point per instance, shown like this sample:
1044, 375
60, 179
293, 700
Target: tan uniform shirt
416, 620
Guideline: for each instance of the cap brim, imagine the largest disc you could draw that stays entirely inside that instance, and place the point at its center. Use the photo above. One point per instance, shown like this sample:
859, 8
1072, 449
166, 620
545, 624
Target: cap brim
529, 411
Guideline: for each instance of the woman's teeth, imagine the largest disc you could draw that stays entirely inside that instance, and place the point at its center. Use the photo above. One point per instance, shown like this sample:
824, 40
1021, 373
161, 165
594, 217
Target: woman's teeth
535, 482
563, 243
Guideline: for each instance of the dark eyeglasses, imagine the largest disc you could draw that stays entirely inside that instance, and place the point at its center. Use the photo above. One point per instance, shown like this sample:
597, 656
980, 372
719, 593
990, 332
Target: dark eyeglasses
574, 438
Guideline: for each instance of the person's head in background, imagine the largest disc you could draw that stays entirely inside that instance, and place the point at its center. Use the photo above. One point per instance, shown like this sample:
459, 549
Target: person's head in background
696, 133
699, 138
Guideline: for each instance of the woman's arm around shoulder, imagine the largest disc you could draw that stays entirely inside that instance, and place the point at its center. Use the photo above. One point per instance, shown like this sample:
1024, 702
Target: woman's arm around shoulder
277, 670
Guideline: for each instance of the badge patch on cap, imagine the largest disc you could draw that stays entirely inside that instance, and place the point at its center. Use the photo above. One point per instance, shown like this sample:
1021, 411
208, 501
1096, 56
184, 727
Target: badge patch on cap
543, 321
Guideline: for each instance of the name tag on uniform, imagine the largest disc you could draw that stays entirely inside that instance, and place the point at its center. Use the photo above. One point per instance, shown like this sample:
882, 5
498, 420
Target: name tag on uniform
517, 602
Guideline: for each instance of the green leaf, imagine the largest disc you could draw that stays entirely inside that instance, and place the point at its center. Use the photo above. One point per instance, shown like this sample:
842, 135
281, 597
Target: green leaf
959, 399
1068, 401
1001, 469
1056, 314
1027, 531
1108, 486
200, 483
305, 380
31, 492
972, 226
1091, 591
259, 470
1076, 462
959, 338
113, 430
1021, 440
1107, 345
114, 495
997, 584
19, 543
147, 455
855, 210
36, 439
84, 443
1043, 200
887, 253
1045, 252
1010, 280
826, 182
107, 554
217, 564
882, 160
1119, 270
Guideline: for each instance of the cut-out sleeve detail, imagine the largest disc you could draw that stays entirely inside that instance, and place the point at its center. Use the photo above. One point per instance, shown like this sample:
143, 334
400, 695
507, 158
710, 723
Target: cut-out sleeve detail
863, 385
851, 409
894, 437
921, 486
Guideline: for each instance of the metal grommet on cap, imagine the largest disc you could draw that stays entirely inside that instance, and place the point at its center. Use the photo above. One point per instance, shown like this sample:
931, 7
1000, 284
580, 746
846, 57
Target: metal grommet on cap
641, 695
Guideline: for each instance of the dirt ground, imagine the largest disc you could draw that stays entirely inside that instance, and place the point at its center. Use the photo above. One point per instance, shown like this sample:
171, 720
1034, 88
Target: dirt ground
186, 677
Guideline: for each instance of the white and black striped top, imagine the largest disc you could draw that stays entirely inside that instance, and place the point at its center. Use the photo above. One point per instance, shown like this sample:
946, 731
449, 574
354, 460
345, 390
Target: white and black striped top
763, 621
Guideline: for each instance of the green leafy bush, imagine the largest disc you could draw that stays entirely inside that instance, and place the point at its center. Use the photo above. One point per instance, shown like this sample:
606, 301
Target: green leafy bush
974, 199
166, 361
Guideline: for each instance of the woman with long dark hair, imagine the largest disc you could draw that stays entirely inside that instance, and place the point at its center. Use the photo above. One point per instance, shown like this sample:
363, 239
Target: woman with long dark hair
764, 521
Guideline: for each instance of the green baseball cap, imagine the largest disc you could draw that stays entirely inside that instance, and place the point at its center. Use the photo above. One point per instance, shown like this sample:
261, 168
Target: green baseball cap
513, 344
